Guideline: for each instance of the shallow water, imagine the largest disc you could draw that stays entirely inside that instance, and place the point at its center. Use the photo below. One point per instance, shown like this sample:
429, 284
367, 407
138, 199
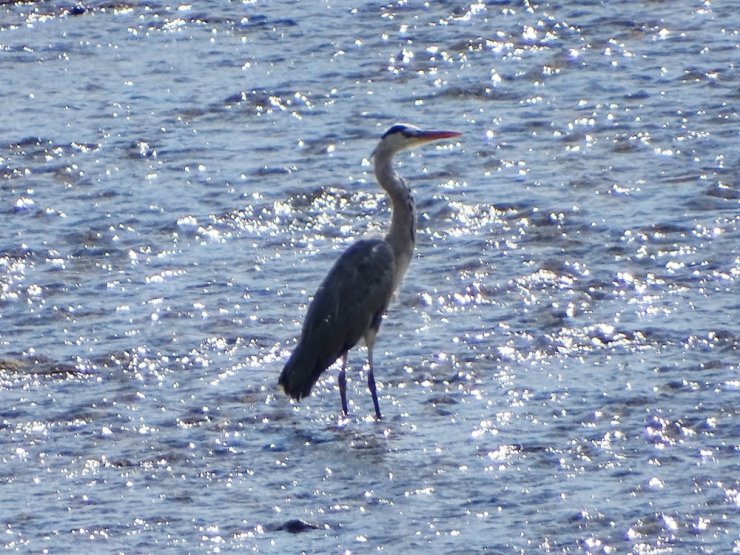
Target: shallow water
559, 372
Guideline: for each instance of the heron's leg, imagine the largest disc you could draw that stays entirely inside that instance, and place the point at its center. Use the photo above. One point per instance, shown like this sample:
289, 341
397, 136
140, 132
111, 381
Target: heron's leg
371, 381
343, 383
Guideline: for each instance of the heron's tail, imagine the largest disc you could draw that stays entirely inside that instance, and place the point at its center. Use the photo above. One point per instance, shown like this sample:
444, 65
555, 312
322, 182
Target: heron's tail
300, 372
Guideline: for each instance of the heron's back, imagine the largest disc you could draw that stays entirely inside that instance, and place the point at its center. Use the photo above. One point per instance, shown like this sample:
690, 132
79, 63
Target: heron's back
350, 301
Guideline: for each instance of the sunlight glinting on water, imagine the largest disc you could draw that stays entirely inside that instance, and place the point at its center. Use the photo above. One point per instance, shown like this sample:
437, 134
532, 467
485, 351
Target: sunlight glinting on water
557, 372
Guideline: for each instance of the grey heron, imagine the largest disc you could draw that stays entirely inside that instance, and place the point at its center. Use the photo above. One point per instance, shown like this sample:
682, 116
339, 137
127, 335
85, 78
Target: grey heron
351, 301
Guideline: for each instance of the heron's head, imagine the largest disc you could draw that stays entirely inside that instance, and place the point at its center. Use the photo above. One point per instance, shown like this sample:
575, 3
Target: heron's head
402, 136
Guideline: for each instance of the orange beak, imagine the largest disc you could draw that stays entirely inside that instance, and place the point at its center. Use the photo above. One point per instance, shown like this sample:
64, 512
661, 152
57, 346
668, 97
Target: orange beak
426, 136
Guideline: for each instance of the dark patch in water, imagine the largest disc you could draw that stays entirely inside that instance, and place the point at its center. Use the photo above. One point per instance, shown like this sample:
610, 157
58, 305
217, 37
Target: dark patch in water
296, 526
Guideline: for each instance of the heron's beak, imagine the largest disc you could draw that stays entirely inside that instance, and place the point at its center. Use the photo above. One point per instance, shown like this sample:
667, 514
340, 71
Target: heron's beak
427, 136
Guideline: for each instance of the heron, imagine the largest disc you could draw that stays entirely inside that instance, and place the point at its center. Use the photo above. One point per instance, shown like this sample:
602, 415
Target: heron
351, 301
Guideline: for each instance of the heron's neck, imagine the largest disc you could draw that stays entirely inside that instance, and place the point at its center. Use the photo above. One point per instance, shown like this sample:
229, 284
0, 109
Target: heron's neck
402, 234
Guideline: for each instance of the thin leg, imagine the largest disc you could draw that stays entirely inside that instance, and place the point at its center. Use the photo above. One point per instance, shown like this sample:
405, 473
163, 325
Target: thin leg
343, 383
371, 382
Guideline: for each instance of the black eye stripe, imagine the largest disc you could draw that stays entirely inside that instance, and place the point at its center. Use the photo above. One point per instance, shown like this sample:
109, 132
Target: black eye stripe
398, 128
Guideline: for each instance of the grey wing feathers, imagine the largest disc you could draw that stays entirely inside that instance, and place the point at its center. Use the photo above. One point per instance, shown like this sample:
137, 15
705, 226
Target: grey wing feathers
351, 299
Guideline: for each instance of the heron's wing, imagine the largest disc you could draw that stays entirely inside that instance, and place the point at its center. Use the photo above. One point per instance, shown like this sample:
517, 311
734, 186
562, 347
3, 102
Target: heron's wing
351, 299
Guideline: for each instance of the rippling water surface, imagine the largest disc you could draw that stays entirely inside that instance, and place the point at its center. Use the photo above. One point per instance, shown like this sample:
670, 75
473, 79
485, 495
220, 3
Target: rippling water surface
559, 372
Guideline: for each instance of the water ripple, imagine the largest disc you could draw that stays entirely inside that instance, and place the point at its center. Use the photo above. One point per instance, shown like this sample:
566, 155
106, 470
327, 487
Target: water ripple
559, 369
